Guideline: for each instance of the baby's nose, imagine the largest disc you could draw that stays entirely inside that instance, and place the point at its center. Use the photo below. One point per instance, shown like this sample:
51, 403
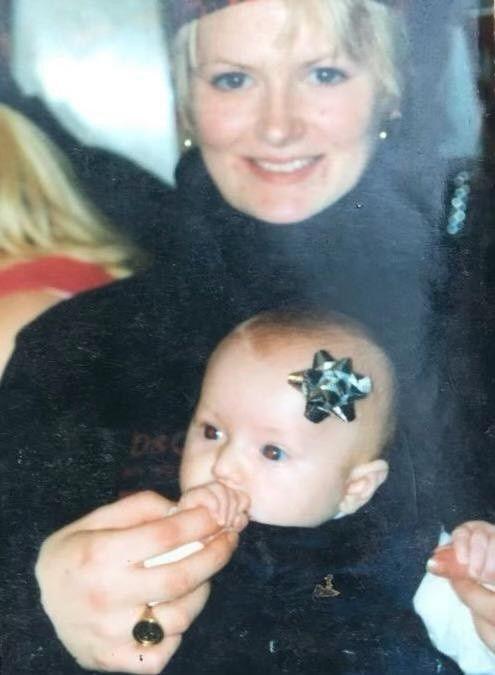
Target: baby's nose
228, 468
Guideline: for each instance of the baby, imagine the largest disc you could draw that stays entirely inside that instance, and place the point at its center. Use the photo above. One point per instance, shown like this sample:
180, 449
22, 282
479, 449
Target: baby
293, 427
251, 452
287, 431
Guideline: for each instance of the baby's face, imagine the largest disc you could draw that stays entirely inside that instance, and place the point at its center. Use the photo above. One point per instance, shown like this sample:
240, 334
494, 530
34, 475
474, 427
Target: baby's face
249, 432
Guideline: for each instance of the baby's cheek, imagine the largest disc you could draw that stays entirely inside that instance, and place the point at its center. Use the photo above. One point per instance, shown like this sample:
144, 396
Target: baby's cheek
270, 505
195, 470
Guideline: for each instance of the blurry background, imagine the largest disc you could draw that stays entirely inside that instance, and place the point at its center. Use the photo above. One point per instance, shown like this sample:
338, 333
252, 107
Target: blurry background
102, 68
483, 21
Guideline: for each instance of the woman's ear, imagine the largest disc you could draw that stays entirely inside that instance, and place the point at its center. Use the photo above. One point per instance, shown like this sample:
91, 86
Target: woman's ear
362, 483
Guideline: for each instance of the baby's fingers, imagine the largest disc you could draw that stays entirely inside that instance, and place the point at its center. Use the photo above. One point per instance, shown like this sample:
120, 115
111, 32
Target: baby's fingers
461, 538
444, 563
237, 506
223, 496
240, 522
478, 548
232, 506
240, 518
487, 574
473, 546
205, 496
227, 505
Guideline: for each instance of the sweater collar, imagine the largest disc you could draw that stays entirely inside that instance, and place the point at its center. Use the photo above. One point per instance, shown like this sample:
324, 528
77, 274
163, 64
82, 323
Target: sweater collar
196, 189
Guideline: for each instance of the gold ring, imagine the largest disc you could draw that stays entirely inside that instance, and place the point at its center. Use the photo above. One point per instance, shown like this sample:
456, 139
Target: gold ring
148, 631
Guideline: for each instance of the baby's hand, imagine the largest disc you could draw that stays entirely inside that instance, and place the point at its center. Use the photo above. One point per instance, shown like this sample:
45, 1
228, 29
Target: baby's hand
470, 556
228, 507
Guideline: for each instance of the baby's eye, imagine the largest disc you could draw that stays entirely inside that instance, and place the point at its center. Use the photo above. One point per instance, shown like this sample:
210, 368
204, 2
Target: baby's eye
229, 81
328, 75
211, 433
272, 452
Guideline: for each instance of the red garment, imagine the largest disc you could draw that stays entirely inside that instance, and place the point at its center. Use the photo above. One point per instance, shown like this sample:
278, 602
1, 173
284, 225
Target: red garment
59, 273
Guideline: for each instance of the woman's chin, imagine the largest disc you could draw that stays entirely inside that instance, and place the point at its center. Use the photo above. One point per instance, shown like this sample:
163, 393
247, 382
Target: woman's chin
281, 214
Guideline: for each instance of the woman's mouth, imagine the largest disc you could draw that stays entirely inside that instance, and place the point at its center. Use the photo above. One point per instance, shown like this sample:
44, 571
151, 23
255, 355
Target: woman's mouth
284, 171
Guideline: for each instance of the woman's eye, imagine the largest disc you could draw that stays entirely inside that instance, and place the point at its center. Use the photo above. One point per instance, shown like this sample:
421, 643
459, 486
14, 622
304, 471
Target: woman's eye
229, 81
328, 75
211, 433
272, 452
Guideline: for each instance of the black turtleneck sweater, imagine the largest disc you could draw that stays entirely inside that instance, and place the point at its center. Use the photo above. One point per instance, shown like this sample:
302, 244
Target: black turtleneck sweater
102, 387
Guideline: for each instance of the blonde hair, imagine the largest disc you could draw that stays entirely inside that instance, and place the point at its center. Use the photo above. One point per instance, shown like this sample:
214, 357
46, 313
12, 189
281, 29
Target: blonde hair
367, 31
42, 211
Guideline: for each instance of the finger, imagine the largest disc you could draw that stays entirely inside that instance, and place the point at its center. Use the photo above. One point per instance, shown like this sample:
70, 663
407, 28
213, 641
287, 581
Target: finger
230, 505
240, 522
151, 539
478, 599
477, 553
170, 582
141, 507
155, 659
134, 658
176, 617
473, 525
460, 540
202, 496
244, 501
487, 574
444, 563
236, 503
220, 493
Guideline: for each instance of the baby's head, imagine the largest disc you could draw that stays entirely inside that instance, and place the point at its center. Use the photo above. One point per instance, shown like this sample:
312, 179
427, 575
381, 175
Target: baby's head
250, 430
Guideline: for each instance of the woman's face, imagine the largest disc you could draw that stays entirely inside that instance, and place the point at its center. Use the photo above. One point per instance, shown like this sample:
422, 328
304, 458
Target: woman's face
285, 121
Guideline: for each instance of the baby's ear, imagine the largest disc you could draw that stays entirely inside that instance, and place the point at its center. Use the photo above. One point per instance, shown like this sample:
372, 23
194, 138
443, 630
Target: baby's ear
362, 483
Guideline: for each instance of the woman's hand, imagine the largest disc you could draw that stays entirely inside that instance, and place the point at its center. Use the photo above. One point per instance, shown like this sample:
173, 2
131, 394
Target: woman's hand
94, 586
469, 563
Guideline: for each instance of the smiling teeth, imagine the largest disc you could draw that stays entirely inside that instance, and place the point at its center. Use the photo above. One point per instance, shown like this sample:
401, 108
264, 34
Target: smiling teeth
287, 167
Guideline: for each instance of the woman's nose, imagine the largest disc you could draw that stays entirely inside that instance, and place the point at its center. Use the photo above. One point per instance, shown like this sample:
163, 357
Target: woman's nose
280, 120
228, 468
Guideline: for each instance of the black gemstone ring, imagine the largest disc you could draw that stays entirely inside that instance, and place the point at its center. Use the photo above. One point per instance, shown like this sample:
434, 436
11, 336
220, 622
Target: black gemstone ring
148, 631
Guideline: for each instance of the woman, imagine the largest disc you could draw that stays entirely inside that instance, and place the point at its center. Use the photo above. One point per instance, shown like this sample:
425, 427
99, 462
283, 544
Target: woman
53, 244
290, 200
